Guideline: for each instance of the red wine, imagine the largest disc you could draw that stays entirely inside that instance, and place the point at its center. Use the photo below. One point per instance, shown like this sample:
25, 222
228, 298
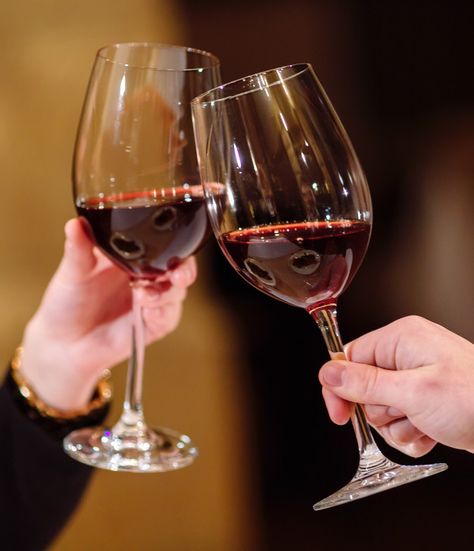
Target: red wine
147, 233
303, 264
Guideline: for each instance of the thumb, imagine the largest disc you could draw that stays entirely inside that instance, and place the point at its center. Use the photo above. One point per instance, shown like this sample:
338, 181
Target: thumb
79, 258
366, 384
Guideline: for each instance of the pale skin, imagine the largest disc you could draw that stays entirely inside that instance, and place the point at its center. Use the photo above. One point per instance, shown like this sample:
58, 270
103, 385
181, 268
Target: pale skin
83, 324
415, 380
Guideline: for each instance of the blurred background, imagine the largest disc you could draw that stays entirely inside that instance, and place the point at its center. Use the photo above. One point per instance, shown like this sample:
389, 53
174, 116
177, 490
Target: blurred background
239, 374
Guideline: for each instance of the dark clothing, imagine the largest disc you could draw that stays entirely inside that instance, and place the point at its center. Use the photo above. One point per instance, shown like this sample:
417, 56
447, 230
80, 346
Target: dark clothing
40, 486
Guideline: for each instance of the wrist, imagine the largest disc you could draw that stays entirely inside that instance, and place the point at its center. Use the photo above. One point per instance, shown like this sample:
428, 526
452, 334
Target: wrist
98, 400
49, 369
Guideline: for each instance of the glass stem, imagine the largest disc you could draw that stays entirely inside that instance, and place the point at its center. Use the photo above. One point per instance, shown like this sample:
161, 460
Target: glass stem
371, 458
132, 415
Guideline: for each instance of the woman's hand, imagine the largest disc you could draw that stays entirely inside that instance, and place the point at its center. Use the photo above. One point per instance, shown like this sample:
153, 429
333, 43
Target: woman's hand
83, 324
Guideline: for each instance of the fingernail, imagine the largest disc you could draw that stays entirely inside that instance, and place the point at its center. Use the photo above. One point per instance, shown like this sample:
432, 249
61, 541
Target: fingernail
333, 374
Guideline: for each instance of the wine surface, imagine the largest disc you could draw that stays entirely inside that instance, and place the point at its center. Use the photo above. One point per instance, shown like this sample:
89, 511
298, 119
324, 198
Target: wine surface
147, 233
303, 263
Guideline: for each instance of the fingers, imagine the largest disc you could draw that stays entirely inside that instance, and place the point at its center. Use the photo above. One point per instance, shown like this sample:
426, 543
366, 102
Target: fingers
390, 423
162, 321
185, 274
381, 415
398, 431
366, 384
163, 301
401, 432
79, 258
403, 436
399, 345
169, 288
339, 410
154, 297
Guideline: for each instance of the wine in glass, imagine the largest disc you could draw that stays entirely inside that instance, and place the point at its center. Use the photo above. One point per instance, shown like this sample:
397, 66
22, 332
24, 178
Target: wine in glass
136, 184
297, 215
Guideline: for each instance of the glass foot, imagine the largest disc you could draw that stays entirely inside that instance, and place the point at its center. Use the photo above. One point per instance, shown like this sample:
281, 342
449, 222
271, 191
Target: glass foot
367, 483
148, 451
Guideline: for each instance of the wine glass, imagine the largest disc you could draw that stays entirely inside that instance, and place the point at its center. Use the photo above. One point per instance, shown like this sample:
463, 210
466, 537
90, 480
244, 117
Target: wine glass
291, 210
136, 184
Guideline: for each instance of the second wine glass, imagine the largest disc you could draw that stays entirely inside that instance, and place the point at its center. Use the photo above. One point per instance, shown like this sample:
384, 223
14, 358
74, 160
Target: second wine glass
136, 184
291, 210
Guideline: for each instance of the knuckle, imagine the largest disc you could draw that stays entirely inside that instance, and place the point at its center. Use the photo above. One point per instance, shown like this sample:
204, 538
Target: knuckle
369, 383
415, 322
376, 415
427, 384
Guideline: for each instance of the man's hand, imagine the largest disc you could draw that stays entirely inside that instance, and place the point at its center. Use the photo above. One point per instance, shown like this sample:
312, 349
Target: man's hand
416, 381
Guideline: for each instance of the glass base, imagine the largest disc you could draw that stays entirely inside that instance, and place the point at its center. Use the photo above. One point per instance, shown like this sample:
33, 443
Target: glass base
149, 451
366, 484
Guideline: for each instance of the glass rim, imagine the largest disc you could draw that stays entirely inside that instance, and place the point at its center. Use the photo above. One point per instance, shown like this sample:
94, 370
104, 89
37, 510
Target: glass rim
215, 62
201, 99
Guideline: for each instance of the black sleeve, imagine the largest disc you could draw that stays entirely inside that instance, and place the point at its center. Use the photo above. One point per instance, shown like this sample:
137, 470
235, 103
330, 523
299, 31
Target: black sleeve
40, 486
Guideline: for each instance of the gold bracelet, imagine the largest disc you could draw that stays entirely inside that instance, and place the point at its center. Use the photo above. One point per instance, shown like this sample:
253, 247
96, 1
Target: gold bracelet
101, 396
